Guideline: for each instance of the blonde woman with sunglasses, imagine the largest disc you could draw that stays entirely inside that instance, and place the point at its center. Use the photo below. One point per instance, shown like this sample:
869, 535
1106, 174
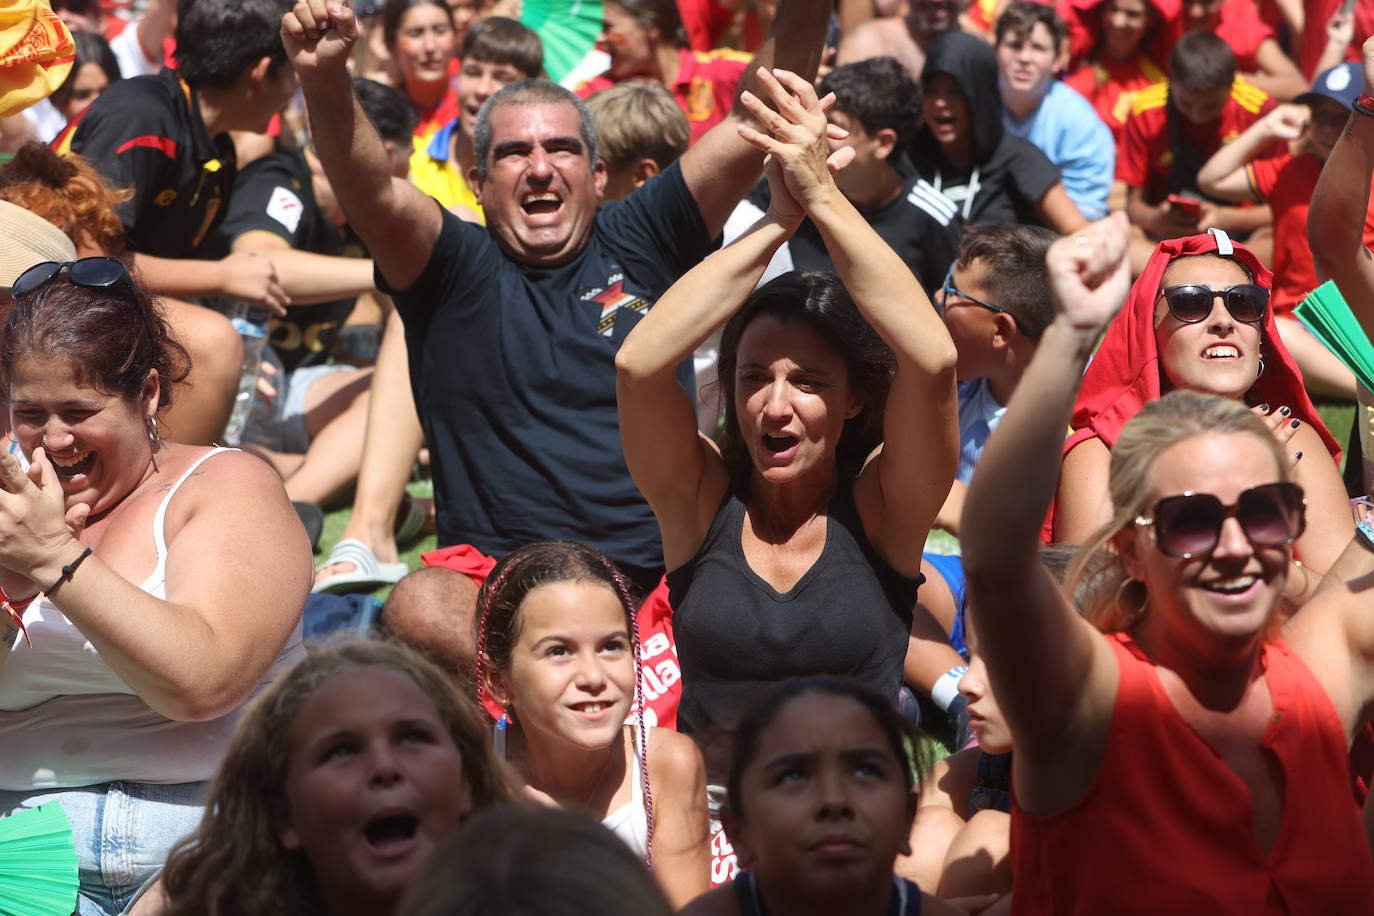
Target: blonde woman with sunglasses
1182, 749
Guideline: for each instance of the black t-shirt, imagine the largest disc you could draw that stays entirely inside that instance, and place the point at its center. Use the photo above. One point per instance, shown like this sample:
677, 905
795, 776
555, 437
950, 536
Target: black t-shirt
147, 134
919, 227
1004, 189
514, 372
275, 194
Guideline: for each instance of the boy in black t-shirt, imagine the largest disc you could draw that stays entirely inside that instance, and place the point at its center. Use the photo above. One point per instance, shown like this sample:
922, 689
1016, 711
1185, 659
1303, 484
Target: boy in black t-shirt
166, 137
284, 209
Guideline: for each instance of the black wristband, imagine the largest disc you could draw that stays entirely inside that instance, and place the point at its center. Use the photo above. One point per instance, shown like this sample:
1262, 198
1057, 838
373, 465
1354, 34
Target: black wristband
67, 573
1362, 105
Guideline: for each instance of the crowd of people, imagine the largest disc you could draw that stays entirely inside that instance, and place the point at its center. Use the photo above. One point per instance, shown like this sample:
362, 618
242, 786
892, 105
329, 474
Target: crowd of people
809, 390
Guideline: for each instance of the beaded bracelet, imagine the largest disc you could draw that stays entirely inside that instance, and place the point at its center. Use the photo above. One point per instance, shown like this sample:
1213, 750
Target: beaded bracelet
67, 573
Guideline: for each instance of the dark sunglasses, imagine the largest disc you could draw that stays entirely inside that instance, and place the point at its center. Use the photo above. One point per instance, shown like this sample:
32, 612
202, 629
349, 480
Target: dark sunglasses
92, 273
949, 290
1189, 525
1191, 302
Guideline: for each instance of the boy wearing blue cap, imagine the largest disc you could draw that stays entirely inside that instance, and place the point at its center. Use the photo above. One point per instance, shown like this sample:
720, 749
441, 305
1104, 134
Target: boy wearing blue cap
1286, 183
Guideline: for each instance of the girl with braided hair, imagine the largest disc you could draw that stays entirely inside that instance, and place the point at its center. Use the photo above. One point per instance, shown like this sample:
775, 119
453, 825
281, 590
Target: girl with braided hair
558, 652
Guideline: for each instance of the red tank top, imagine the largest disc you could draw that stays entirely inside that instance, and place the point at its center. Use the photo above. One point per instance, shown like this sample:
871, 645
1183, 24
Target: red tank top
1168, 826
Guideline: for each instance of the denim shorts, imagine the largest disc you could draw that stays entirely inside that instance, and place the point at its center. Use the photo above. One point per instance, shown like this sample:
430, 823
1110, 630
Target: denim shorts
123, 832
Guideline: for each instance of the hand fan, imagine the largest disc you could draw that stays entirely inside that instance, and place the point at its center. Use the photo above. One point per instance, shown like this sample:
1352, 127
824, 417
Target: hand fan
37, 863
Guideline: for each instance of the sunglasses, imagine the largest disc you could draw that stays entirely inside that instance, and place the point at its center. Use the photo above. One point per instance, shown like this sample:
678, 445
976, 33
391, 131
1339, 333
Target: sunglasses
1189, 525
949, 290
91, 273
1191, 302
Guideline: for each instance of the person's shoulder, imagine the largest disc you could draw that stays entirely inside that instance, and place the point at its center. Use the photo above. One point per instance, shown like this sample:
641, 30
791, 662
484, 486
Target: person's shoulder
136, 104
675, 757
723, 58
718, 901
1076, 112
1248, 97
277, 164
1150, 100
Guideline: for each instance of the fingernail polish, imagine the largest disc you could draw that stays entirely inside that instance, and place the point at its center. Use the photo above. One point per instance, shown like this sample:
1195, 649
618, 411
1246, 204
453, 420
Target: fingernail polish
1297, 455
1295, 423
1264, 408
1285, 411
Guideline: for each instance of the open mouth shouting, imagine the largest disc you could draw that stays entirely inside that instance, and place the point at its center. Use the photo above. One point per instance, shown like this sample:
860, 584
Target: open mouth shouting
541, 204
391, 833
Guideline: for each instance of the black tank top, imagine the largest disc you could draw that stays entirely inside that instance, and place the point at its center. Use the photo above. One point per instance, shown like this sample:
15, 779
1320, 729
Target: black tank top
850, 614
905, 899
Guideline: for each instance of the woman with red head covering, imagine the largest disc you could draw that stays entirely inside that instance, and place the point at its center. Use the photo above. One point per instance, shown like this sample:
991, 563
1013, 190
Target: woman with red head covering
1117, 48
1198, 318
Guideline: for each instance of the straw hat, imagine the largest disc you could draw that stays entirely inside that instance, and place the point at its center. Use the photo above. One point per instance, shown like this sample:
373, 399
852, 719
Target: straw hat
27, 239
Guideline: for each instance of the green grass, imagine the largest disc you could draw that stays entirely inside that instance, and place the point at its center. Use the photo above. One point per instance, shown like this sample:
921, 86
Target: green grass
334, 522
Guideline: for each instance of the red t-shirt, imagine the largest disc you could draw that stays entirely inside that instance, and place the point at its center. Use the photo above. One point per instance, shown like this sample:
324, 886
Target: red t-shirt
1244, 31
1112, 86
1287, 182
704, 90
1144, 155
1168, 827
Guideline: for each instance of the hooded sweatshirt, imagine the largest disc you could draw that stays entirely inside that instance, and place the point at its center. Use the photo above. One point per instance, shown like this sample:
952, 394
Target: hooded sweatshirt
1009, 175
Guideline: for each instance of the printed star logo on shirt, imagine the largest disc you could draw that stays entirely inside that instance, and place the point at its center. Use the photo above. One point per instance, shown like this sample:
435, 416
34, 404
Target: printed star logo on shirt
613, 298
286, 208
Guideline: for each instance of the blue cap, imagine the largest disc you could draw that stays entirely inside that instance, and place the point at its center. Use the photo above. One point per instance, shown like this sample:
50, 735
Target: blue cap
1343, 83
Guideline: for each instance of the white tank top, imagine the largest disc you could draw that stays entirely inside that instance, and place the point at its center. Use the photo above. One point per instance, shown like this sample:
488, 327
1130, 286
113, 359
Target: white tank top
67, 719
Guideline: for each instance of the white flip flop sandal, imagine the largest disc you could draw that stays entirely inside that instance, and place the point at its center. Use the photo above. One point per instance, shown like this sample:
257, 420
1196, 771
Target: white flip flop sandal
368, 573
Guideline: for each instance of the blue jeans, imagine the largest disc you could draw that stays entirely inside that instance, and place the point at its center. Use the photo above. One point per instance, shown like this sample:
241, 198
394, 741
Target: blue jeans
123, 833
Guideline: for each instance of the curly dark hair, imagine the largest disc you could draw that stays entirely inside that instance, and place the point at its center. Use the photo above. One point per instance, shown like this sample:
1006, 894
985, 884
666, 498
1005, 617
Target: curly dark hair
880, 93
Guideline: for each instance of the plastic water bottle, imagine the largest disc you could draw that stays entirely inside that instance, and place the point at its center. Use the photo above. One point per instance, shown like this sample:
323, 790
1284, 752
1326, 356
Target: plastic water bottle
251, 322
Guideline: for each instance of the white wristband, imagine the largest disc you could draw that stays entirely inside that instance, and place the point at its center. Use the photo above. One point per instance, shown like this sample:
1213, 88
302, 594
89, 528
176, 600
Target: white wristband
947, 687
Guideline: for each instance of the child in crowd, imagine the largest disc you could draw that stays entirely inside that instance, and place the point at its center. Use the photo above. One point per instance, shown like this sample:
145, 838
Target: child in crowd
342, 780
963, 152
1116, 49
640, 131
1255, 44
1040, 108
494, 52
961, 840
821, 800
1173, 128
996, 302
558, 651
533, 860
1240, 172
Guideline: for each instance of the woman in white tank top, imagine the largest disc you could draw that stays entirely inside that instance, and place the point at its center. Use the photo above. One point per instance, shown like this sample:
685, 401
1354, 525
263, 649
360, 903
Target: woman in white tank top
557, 652
148, 586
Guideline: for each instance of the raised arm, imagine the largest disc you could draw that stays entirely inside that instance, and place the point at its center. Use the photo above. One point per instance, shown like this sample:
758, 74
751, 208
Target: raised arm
399, 224
1335, 222
1277, 74
1052, 673
678, 472
721, 167
899, 493
1224, 175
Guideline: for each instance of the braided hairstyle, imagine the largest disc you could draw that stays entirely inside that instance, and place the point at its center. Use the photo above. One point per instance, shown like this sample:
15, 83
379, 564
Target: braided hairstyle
499, 622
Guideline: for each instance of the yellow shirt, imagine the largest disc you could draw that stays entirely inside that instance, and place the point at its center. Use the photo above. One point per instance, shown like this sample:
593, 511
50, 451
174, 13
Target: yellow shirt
434, 171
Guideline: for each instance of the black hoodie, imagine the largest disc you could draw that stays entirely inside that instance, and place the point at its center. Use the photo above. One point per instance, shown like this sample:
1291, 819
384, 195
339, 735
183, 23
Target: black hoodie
1009, 175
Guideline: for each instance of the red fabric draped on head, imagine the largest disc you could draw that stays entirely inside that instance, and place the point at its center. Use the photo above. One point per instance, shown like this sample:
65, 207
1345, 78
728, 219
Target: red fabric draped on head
1125, 372
1084, 18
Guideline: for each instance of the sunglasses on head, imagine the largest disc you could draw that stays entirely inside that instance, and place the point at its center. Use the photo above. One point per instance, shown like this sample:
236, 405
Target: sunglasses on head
1189, 525
1192, 302
91, 273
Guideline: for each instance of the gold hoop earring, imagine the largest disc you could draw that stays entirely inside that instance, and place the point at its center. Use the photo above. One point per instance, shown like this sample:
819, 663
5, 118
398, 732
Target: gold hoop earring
1131, 618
